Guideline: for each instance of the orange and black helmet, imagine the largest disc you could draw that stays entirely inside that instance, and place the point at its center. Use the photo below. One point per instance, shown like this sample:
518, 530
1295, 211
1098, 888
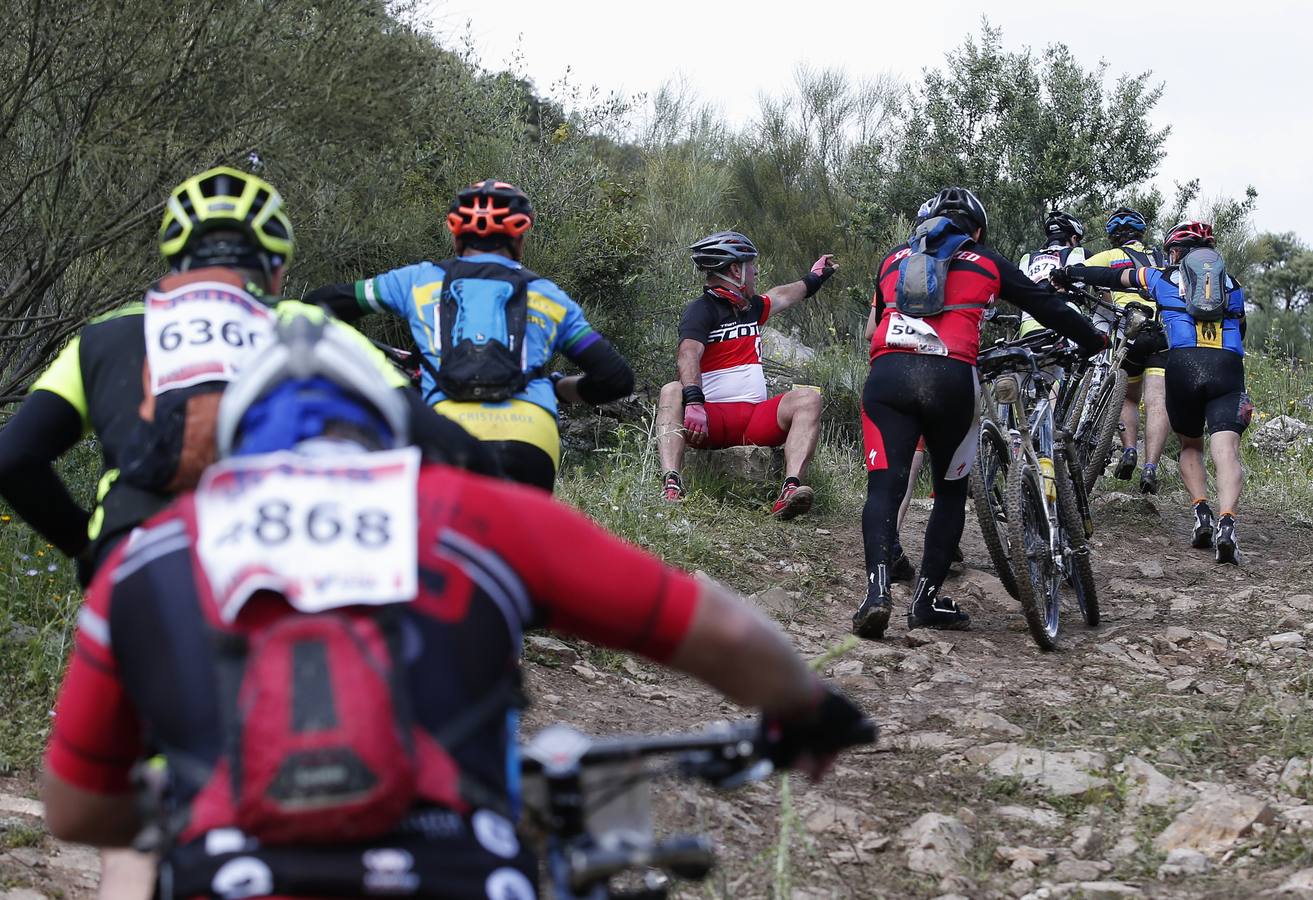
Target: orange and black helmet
490, 208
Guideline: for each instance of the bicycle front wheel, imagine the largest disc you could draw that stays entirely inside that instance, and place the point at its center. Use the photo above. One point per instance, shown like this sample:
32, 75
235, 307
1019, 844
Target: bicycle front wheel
989, 481
1028, 530
1095, 434
1077, 569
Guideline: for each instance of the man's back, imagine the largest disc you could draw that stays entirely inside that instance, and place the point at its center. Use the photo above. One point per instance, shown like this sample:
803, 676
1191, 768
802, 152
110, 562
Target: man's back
146, 662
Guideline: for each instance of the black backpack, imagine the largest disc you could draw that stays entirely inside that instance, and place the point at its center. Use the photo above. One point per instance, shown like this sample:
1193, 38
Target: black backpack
1204, 284
1151, 260
923, 274
483, 314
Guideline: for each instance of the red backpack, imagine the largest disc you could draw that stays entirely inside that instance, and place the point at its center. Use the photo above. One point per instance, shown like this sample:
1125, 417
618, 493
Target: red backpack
319, 742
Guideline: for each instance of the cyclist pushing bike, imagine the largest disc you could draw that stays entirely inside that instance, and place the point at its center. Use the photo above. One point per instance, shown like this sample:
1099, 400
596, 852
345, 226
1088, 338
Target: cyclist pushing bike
365, 612
931, 299
1203, 314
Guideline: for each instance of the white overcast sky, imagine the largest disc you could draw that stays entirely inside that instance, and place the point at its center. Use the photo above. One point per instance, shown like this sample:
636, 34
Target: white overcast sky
1236, 74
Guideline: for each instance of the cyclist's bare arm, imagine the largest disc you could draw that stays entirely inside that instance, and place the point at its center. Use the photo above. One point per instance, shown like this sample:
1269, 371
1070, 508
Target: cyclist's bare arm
782, 296
688, 361
741, 653
872, 322
85, 817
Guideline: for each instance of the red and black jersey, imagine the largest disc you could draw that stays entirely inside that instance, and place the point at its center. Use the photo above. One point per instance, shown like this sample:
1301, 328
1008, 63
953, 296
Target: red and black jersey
976, 275
494, 559
731, 364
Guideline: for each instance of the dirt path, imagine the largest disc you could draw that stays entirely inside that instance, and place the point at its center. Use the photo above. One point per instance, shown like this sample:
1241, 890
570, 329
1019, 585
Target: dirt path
1180, 722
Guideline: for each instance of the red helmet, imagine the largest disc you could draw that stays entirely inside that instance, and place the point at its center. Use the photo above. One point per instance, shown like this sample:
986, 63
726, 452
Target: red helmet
1189, 234
490, 207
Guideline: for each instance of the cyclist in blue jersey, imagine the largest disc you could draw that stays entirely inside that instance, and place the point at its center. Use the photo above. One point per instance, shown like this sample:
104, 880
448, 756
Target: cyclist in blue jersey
1203, 314
487, 328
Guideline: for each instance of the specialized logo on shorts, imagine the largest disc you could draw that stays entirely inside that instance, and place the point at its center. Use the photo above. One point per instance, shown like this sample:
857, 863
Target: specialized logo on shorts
495, 833
242, 877
388, 871
509, 884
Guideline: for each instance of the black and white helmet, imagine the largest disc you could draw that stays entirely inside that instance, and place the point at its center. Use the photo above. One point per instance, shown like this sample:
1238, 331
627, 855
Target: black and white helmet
716, 251
961, 201
1063, 226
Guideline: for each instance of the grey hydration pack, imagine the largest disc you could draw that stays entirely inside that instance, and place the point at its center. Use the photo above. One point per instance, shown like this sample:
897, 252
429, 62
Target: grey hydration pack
1203, 284
923, 273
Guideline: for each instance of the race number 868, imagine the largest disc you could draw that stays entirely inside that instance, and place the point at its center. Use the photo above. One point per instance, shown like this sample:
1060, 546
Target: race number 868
278, 522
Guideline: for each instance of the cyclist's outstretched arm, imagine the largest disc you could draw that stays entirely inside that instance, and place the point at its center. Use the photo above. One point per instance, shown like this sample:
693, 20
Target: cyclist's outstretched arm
44, 428
588, 582
738, 651
343, 300
782, 296
1041, 302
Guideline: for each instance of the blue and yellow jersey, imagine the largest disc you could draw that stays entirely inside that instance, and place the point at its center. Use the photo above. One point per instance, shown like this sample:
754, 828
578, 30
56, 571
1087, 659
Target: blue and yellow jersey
556, 324
1117, 258
1182, 328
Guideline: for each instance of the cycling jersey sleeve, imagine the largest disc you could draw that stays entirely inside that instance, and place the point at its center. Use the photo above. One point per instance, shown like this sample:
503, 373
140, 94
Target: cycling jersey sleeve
346, 301
583, 580
63, 377
391, 291
96, 737
764, 313
44, 428
1041, 302
607, 375
697, 322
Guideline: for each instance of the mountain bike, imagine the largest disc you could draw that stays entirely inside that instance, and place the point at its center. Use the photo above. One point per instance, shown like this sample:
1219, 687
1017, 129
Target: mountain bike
592, 795
1094, 418
989, 474
1045, 506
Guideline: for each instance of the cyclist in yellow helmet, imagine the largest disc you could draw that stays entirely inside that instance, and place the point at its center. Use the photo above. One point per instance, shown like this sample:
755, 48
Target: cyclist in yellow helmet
1126, 230
146, 378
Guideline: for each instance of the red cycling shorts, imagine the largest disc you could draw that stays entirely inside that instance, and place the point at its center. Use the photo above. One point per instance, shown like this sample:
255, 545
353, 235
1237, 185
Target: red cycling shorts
873, 446
744, 424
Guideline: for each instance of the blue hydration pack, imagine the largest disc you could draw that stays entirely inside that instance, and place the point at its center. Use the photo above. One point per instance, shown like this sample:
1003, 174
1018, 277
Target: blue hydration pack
923, 274
483, 316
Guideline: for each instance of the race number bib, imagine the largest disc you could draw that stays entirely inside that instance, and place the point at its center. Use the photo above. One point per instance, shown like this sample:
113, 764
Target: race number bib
1041, 266
202, 332
917, 335
322, 531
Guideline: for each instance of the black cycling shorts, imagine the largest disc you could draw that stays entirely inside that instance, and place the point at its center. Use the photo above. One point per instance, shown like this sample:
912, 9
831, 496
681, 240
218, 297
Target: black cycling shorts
1135, 369
525, 463
1206, 388
442, 855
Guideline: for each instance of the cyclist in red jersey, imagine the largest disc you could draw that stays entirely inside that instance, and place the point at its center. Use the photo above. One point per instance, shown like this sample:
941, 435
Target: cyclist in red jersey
720, 399
455, 566
923, 383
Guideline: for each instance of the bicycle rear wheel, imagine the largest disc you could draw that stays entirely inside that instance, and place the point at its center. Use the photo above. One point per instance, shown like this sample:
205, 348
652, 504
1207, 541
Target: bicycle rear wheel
1078, 571
1036, 576
989, 479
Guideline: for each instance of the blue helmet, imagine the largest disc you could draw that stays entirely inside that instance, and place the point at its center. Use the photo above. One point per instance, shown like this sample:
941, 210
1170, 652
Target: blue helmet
1125, 220
313, 379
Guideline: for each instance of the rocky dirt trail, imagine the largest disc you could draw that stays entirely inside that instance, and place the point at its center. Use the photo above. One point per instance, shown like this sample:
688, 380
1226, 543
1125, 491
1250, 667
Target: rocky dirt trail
1164, 753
